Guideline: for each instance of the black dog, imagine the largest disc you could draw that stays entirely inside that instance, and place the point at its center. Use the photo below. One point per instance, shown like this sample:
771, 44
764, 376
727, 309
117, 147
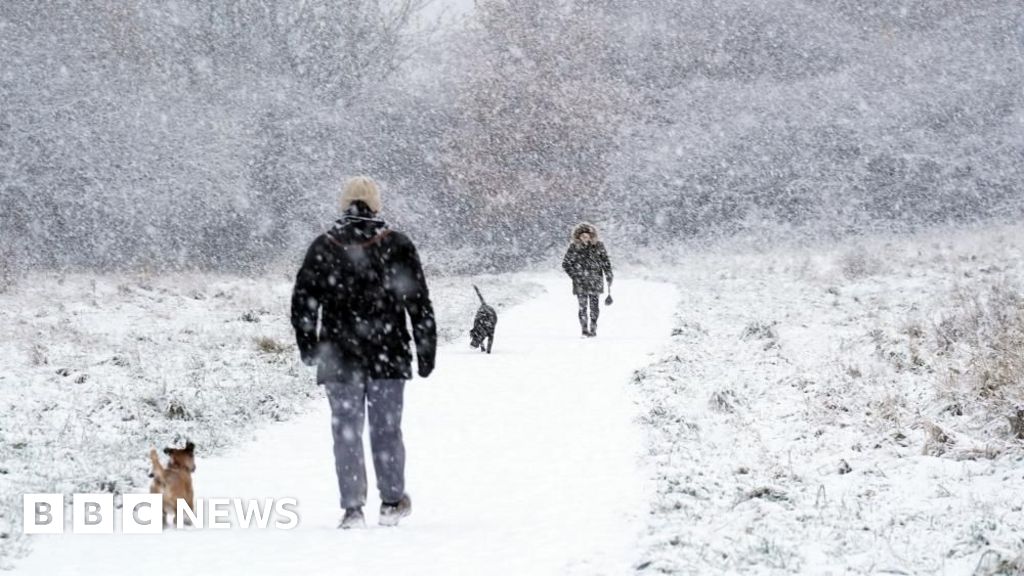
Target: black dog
483, 325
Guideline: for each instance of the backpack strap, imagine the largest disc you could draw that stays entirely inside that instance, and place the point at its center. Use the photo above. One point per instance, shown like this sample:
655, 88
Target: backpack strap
366, 244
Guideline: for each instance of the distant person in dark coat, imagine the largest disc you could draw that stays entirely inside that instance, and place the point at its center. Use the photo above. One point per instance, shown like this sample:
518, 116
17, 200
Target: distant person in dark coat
361, 279
587, 263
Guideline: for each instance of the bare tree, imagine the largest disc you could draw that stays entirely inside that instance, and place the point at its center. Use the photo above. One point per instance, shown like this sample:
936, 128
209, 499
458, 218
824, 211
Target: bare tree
536, 117
176, 132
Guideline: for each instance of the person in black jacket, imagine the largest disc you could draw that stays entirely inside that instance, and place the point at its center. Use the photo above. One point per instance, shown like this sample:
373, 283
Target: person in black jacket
361, 279
586, 262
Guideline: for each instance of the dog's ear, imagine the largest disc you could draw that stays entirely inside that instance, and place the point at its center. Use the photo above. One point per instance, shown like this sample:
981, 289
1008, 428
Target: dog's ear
190, 447
168, 451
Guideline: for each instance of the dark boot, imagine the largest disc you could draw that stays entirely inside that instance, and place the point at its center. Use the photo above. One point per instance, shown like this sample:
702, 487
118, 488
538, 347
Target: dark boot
391, 513
353, 519
593, 329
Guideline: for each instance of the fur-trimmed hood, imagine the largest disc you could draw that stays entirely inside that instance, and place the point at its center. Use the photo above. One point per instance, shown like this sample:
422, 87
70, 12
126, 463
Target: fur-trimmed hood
580, 229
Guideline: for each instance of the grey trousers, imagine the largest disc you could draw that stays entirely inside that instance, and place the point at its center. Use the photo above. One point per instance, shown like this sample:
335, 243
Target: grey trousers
383, 398
595, 309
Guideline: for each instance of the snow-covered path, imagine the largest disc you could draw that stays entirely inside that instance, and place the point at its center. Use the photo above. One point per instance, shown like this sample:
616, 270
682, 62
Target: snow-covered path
522, 462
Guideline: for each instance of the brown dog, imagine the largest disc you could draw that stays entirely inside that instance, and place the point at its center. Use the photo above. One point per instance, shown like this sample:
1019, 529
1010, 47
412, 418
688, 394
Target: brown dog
174, 481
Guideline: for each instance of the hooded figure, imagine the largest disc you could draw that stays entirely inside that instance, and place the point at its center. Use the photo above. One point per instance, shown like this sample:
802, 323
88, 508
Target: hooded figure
586, 262
361, 280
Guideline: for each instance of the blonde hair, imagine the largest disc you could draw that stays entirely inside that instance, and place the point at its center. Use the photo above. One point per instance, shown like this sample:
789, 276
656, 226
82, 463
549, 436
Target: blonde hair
363, 189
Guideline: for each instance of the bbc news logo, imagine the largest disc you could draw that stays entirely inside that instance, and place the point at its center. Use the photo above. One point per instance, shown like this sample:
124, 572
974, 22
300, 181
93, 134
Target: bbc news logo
143, 513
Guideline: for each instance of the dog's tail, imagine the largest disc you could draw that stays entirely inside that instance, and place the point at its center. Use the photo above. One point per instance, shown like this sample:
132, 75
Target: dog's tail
479, 295
158, 468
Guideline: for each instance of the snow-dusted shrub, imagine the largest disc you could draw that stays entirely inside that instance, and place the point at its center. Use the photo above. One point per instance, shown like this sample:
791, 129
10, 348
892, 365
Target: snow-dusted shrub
859, 263
986, 328
977, 342
38, 355
901, 349
270, 345
889, 408
1000, 563
760, 331
938, 442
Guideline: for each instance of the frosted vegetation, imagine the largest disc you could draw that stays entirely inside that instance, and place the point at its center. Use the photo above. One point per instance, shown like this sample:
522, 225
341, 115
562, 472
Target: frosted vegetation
123, 363
841, 410
191, 134
843, 389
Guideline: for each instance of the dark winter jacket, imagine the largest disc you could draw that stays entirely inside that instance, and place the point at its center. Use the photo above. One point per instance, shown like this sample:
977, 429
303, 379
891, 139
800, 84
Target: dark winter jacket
361, 279
585, 263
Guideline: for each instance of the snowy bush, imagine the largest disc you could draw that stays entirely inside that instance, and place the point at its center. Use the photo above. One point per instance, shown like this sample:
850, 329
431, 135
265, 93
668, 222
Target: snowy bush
1000, 563
981, 333
858, 263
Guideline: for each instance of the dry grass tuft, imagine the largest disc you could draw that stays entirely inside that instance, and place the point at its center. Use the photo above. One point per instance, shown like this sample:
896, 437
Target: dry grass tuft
858, 263
982, 333
270, 345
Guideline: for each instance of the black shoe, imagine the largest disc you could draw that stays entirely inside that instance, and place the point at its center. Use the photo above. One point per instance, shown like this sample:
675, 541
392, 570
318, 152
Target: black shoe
593, 330
391, 513
353, 519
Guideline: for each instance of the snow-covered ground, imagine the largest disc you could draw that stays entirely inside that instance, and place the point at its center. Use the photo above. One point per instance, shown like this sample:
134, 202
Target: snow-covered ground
95, 369
835, 410
812, 416
524, 461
